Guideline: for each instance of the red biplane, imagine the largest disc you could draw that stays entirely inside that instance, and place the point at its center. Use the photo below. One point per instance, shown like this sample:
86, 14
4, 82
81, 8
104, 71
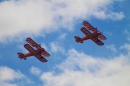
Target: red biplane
95, 35
39, 52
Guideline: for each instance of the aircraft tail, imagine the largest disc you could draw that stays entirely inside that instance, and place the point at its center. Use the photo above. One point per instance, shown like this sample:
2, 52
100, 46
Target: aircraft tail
21, 55
78, 39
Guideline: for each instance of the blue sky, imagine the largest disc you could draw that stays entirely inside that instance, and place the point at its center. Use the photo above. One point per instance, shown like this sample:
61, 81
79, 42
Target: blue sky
53, 24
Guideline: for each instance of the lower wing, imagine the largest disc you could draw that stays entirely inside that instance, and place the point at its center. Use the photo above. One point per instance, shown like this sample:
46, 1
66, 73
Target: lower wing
40, 57
97, 41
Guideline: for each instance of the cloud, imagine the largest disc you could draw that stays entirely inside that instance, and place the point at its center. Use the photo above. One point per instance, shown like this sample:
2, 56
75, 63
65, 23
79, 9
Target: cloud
21, 47
111, 47
44, 46
62, 36
125, 46
101, 14
24, 17
21, 18
80, 69
9, 74
35, 70
109, 33
128, 34
55, 47
10, 77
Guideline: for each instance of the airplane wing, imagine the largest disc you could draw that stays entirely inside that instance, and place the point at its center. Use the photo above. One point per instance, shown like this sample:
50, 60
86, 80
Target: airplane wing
102, 37
86, 32
40, 57
89, 34
89, 26
32, 42
37, 55
97, 41
46, 54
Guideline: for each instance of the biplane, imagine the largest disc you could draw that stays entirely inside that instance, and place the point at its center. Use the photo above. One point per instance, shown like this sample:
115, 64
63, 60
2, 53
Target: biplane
39, 52
90, 33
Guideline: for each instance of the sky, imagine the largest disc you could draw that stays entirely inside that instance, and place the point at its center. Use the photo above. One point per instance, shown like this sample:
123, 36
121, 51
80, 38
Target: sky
53, 24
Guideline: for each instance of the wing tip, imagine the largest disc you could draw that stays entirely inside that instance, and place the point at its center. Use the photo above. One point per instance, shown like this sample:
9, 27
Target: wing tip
101, 44
28, 38
26, 45
44, 60
84, 21
82, 28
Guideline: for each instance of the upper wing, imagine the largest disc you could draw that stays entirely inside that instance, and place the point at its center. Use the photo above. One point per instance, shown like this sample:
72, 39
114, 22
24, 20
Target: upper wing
95, 39
32, 42
37, 55
89, 26
102, 37
46, 54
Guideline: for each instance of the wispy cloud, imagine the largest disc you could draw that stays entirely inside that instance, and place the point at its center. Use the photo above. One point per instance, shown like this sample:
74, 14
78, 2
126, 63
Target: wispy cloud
44, 46
61, 37
111, 47
31, 17
128, 34
125, 46
80, 69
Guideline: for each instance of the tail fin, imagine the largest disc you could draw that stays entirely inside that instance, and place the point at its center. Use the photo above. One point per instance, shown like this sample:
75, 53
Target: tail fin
78, 39
21, 55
